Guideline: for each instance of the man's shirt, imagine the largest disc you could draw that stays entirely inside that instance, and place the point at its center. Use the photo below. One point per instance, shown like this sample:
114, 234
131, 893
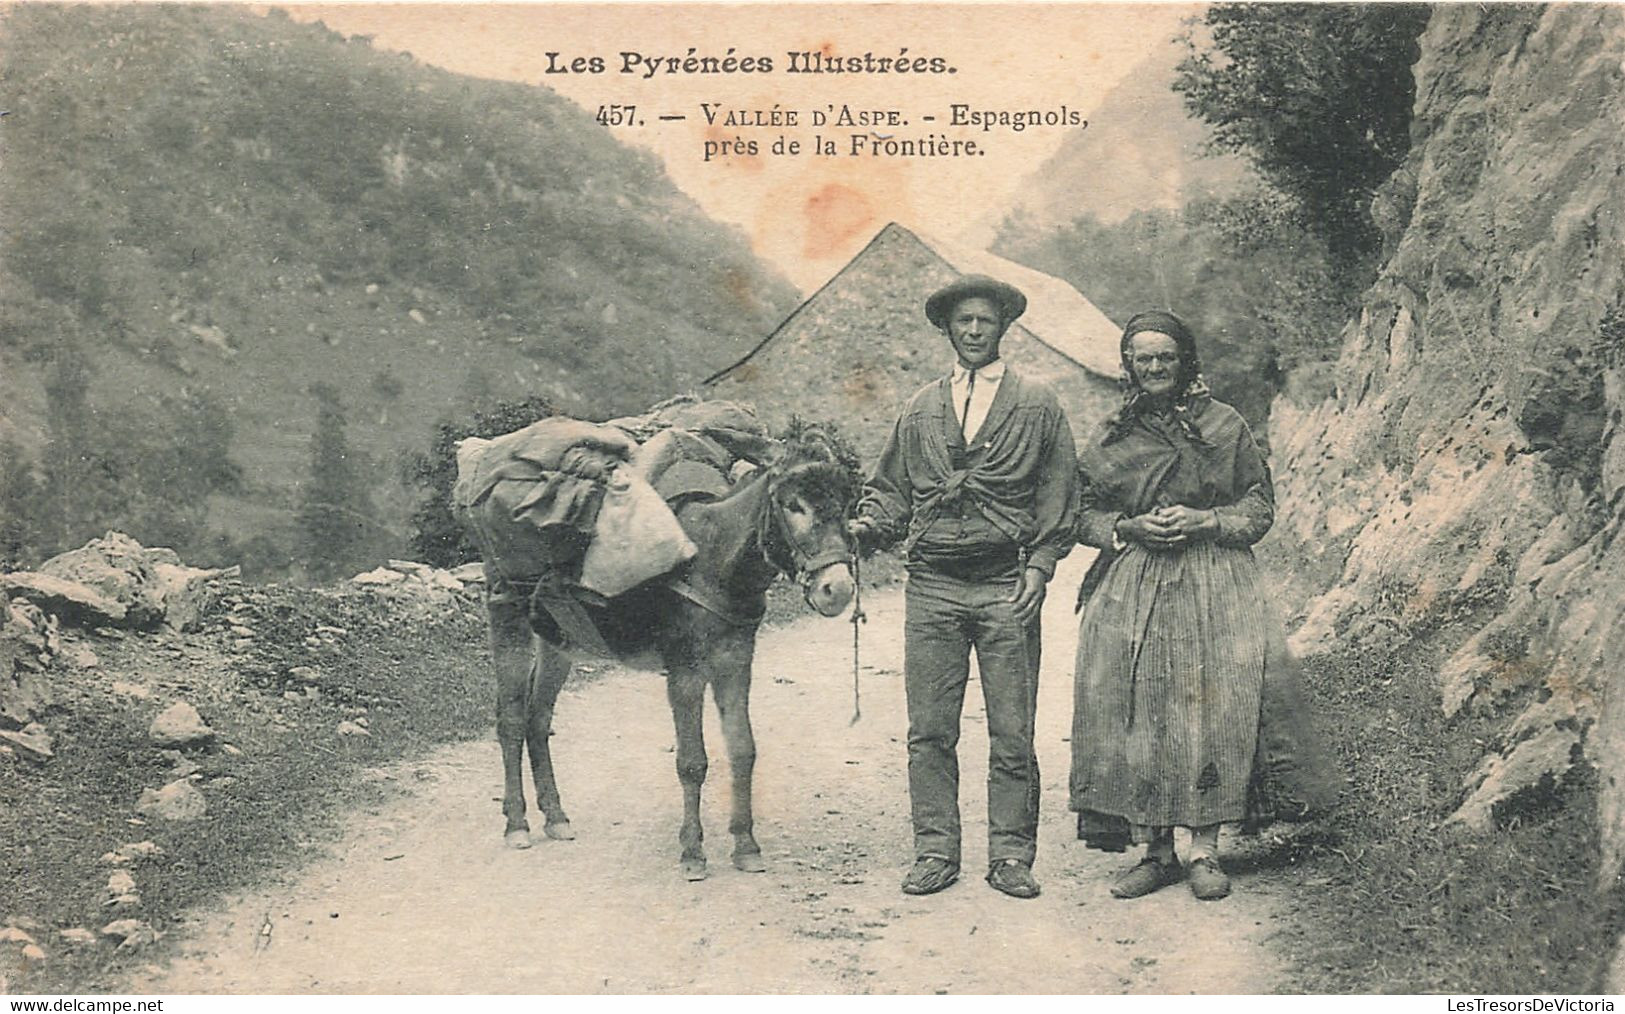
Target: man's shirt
980, 388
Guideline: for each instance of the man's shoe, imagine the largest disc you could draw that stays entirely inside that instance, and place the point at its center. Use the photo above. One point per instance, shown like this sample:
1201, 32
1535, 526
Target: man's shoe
1208, 880
929, 875
1148, 876
1013, 877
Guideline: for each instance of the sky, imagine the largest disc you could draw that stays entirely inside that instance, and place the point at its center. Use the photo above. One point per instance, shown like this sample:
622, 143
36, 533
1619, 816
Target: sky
806, 213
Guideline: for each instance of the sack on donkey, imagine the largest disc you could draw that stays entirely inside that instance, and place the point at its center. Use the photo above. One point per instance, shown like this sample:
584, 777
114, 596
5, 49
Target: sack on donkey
560, 492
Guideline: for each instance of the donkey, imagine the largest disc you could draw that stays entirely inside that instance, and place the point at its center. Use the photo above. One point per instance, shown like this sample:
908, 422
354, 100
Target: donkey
699, 625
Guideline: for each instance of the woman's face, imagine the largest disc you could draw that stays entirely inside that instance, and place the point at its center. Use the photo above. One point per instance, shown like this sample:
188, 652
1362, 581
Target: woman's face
1154, 359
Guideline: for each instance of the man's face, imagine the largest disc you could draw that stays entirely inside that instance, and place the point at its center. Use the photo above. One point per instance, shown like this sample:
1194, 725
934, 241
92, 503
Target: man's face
976, 327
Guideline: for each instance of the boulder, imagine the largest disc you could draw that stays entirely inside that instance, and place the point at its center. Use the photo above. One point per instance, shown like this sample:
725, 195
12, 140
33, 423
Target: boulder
74, 601
132, 933
186, 593
77, 936
32, 741
179, 725
25, 647
117, 567
178, 801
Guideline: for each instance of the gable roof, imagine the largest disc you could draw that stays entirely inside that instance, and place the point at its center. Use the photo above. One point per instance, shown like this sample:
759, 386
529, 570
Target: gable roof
1057, 314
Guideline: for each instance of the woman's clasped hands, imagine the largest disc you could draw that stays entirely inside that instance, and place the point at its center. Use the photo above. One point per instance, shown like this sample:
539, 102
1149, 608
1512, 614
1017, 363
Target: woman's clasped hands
1168, 527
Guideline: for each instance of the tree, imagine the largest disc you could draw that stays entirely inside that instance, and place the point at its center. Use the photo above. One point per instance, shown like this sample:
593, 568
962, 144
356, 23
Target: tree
1318, 97
20, 508
335, 518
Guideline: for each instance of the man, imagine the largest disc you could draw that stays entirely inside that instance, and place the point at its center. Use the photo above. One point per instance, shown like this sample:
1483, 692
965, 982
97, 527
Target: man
979, 482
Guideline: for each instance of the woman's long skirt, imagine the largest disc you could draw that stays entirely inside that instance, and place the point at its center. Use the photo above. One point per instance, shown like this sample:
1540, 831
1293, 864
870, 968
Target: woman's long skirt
1171, 655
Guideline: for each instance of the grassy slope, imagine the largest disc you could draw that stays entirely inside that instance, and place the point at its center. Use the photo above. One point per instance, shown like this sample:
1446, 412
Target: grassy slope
421, 681
1398, 901
251, 178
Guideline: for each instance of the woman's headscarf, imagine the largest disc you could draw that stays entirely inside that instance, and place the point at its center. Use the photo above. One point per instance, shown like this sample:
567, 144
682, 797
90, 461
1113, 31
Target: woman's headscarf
1193, 389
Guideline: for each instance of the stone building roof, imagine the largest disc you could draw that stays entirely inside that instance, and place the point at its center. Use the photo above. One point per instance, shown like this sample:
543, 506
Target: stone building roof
1057, 314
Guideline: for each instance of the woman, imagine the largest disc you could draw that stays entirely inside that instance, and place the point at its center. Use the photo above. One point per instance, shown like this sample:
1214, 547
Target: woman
1175, 629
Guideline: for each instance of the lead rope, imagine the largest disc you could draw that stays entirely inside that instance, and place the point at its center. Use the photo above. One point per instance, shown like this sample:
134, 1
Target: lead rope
857, 618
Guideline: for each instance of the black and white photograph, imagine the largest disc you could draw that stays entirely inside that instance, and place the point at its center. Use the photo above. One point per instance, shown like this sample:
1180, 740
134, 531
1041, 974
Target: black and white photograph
812, 499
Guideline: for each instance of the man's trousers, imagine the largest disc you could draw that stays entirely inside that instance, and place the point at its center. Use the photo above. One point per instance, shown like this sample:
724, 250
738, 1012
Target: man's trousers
945, 618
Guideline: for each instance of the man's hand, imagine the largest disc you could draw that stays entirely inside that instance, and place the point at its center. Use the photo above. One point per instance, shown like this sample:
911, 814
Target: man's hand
862, 533
1029, 596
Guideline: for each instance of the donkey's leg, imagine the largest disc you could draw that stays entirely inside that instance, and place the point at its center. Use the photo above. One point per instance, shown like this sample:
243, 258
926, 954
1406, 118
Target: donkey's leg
731, 687
685, 688
548, 676
513, 654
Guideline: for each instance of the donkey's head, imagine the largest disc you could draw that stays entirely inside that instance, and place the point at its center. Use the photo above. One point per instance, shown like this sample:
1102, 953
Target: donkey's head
810, 491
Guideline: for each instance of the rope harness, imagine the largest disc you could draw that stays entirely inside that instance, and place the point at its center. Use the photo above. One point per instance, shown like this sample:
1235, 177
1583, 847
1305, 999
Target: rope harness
858, 617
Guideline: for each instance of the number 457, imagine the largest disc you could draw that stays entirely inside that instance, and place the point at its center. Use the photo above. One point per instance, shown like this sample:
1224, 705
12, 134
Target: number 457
617, 116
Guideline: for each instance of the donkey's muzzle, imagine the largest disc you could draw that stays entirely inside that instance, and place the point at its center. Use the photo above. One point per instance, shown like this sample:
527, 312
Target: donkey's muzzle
830, 589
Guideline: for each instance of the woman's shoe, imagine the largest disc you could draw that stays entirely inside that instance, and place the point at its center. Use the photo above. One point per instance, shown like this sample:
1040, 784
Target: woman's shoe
1208, 880
1148, 876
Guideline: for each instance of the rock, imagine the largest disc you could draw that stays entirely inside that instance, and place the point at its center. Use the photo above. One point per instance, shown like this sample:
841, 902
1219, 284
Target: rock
417, 315
25, 648
469, 573
33, 953
116, 566
132, 933
32, 741
305, 674
179, 801
409, 566
184, 767
76, 936
121, 890
84, 658
15, 935
348, 728
179, 725
230, 751
381, 576
237, 630
72, 600
132, 852
135, 690
186, 593
334, 631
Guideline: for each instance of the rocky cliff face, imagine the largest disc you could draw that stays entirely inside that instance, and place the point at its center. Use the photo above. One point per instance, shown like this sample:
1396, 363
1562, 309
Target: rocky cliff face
1468, 459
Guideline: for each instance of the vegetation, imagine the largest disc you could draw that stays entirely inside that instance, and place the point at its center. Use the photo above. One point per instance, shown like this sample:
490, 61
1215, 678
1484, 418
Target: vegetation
1318, 97
336, 518
419, 681
1403, 902
1256, 287
232, 207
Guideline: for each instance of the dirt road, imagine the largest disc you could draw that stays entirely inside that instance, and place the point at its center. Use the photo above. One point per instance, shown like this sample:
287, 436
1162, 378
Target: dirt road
422, 896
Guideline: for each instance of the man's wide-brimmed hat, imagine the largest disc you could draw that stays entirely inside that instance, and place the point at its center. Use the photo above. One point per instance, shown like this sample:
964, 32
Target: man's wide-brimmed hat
1007, 298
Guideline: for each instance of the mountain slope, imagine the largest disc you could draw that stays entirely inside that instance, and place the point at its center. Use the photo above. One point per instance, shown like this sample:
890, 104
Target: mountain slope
204, 203
1141, 151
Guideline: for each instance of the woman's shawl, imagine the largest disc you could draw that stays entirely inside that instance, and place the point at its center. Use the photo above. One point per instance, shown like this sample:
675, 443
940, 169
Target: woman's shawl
1139, 461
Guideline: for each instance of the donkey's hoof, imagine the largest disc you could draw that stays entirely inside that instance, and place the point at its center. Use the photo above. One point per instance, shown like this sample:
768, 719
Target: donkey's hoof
749, 862
518, 838
561, 831
693, 869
